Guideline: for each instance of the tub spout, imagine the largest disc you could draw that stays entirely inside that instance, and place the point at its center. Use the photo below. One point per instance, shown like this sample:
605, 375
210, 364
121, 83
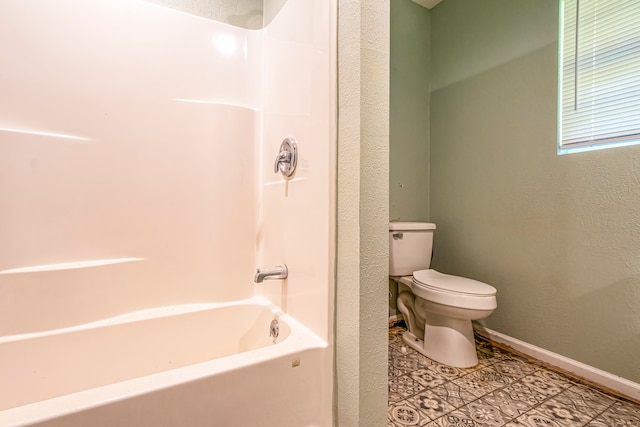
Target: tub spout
278, 272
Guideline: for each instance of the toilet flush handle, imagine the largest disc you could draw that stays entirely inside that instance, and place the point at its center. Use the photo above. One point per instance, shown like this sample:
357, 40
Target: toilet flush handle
397, 236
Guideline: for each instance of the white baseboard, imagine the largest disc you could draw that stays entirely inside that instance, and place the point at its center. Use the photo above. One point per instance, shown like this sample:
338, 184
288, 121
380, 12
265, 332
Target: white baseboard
395, 318
613, 382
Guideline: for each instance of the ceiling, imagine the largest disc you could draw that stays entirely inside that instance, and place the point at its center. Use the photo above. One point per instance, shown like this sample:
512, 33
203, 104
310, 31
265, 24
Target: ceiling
427, 3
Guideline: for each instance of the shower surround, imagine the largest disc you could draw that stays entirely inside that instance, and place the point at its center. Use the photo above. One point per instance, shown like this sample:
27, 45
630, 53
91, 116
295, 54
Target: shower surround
136, 176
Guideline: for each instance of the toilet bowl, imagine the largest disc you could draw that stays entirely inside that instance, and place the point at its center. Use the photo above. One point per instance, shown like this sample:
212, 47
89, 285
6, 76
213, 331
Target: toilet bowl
438, 308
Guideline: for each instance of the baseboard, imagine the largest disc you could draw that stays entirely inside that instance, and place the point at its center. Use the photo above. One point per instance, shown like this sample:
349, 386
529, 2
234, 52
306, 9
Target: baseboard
395, 318
607, 380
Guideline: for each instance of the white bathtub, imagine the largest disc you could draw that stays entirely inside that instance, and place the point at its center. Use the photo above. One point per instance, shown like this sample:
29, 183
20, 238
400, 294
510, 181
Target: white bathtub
195, 365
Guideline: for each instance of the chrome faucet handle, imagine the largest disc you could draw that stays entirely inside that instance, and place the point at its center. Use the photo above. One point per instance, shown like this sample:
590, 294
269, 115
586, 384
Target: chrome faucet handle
282, 158
287, 158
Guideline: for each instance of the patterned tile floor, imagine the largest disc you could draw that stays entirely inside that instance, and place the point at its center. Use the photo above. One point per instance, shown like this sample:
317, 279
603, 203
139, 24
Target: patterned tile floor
504, 389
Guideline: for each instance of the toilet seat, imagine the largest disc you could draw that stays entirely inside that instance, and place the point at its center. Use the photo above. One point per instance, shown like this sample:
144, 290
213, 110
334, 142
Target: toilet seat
447, 283
453, 290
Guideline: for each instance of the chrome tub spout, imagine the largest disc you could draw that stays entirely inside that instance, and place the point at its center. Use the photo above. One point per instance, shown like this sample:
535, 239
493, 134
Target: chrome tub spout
278, 272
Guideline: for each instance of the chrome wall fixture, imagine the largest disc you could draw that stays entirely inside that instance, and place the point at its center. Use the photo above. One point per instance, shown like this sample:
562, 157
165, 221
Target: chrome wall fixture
278, 272
274, 330
287, 158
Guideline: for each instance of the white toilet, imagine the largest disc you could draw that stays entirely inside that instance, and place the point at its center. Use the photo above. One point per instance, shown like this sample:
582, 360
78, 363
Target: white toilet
438, 308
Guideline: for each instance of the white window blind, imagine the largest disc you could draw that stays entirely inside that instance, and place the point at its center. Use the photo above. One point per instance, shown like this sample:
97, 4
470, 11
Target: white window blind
600, 72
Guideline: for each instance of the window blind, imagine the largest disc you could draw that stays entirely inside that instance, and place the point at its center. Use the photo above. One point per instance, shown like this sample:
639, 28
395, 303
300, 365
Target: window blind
600, 72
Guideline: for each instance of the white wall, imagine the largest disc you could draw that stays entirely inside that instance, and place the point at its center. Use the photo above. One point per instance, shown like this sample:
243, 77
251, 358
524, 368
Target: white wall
130, 130
294, 223
142, 173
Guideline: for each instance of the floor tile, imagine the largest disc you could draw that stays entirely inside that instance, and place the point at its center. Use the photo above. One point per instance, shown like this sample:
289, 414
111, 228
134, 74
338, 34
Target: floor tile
455, 418
404, 386
431, 404
446, 372
546, 382
515, 366
485, 414
561, 411
428, 378
523, 393
620, 414
405, 364
454, 395
404, 413
504, 389
586, 400
533, 420
511, 404
484, 381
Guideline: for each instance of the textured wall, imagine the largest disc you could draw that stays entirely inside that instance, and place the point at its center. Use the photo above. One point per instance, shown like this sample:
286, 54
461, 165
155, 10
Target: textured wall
241, 13
408, 118
558, 236
363, 159
271, 9
409, 112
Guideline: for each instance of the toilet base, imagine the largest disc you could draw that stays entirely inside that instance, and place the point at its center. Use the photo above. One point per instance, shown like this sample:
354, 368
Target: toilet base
451, 344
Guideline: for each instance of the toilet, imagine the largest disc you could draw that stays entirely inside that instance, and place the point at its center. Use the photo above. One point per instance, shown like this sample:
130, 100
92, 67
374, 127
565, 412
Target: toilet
438, 308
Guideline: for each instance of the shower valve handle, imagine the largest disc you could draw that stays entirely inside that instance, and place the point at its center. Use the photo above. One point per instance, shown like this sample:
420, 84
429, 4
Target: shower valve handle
287, 158
284, 157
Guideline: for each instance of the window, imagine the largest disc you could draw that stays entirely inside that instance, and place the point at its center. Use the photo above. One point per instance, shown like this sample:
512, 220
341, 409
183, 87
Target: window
599, 74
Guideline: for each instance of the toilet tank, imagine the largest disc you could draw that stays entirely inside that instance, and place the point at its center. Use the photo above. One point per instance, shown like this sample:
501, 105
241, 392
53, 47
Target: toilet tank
410, 246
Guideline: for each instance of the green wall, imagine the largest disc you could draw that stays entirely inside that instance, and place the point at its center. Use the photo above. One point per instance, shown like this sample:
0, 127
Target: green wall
408, 118
409, 112
558, 236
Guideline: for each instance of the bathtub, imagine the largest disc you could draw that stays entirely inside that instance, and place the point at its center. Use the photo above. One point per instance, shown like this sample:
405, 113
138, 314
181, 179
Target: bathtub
192, 365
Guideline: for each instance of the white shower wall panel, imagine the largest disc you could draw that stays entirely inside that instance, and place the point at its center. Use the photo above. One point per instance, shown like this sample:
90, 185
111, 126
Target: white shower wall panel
127, 133
295, 223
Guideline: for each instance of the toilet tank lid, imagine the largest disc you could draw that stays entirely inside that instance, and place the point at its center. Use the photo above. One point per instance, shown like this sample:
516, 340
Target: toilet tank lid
411, 226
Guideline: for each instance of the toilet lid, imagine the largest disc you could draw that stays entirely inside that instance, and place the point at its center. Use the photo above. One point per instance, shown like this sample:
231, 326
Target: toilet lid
453, 284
